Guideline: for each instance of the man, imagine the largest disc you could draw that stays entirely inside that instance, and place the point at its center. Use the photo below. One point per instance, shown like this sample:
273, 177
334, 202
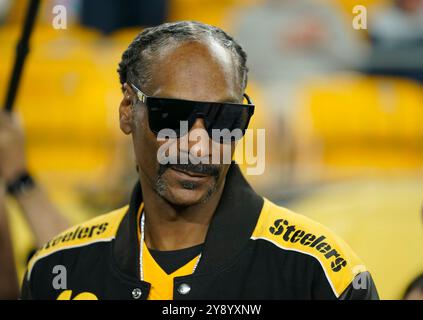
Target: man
9, 288
15, 181
414, 290
196, 229
44, 219
396, 33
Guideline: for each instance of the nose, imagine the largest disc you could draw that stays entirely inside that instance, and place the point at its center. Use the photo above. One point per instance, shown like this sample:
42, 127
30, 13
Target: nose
198, 140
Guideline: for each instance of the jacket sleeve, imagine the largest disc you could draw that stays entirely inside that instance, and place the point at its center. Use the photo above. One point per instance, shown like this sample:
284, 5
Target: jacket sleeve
361, 288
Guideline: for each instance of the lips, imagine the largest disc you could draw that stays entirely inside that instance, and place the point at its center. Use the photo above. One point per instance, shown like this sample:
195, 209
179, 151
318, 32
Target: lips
189, 173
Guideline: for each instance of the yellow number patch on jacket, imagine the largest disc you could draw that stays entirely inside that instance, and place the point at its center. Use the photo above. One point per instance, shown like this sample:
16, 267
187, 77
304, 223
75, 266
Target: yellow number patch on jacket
290, 231
101, 228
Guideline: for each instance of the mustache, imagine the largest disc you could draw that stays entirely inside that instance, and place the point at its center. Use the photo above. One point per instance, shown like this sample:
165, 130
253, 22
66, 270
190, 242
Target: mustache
206, 169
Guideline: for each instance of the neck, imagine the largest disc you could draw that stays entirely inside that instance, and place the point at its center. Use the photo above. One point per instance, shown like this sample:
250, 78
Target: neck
172, 228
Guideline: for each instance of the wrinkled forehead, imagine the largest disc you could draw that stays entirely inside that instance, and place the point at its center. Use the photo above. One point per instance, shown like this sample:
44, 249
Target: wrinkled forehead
195, 68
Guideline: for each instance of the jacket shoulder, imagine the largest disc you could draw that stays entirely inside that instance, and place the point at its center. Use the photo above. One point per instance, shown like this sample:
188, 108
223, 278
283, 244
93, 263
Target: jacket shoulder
290, 231
99, 229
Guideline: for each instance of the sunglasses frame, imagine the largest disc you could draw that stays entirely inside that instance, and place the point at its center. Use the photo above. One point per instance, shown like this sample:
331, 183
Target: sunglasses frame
143, 98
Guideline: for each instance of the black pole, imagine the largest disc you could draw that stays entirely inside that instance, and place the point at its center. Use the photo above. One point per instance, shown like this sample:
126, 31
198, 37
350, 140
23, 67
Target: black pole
22, 50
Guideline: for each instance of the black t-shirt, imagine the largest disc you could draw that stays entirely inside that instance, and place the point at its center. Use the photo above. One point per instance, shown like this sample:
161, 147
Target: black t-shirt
171, 261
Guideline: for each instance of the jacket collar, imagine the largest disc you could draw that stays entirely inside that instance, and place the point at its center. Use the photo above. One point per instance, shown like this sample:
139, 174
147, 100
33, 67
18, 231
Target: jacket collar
230, 228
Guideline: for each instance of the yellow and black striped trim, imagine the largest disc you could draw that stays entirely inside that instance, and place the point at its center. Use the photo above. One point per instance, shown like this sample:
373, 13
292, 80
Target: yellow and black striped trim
100, 229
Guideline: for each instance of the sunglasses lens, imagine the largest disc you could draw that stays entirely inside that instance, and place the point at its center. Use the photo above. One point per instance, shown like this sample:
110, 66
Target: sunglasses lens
228, 122
168, 113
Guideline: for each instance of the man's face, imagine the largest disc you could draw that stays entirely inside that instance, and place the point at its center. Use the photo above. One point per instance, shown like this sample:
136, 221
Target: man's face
190, 71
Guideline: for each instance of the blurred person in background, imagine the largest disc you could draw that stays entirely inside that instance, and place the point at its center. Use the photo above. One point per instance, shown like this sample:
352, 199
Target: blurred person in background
288, 43
398, 25
43, 217
111, 15
4, 10
9, 288
415, 289
396, 32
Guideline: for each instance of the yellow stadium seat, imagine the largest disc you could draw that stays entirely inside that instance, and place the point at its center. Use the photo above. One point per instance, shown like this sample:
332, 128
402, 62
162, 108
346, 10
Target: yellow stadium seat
352, 123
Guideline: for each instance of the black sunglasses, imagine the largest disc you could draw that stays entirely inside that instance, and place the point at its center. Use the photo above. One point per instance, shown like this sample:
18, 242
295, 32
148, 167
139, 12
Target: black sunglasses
165, 113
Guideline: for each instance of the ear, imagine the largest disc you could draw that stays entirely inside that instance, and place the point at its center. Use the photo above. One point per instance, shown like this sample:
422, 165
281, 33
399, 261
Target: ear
125, 110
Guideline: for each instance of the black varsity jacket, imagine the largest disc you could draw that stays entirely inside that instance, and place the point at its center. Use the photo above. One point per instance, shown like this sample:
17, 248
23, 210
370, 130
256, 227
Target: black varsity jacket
254, 249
